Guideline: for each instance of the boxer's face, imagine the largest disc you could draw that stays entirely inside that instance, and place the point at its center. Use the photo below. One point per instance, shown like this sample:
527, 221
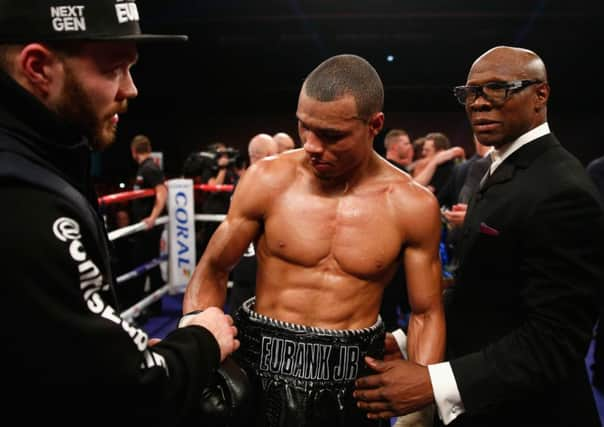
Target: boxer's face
335, 139
95, 89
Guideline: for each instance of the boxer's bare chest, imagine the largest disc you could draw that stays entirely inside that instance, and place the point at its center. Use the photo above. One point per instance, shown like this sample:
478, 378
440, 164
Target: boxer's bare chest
356, 232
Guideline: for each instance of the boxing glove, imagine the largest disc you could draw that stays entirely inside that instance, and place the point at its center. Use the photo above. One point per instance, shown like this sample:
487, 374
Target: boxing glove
226, 401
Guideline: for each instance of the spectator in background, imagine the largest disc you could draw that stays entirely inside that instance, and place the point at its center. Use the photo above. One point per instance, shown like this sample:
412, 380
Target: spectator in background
455, 197
399, 150
240, 166
432, 164
521, 313
244, 273
147, 209
221, 171
261, 146
418, 146
284, 142
71, 359
424, 172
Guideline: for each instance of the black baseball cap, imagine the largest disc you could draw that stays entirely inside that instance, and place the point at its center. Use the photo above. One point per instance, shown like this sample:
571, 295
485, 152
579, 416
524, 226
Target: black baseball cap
23, 21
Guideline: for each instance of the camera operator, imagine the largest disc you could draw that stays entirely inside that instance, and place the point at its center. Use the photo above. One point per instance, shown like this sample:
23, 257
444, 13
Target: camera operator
214, 166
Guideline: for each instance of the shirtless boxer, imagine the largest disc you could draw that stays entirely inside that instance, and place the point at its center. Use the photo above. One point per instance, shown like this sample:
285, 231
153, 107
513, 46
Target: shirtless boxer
330, 222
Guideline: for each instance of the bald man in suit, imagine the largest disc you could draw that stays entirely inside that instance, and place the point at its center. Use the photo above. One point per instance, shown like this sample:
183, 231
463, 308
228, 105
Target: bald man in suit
521, 312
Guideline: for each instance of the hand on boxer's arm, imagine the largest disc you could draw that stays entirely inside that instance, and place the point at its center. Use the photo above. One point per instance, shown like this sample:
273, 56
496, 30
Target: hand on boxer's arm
398, 387
219, 324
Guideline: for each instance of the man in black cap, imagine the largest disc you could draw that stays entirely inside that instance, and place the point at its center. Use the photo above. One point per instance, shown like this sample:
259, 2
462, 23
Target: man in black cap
69, 357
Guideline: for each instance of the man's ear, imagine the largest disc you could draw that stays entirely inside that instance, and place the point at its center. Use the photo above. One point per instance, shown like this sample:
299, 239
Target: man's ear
542, 95
376, 123
37, 66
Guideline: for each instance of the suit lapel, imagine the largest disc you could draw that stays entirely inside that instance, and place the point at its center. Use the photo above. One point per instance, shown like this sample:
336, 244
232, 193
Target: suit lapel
522, 158
478, 206
503, 173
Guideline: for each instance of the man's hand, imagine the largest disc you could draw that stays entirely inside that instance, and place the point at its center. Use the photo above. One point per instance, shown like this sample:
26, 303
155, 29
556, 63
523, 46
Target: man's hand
219, 324
398, 388
456, 215
149, 222
223, 161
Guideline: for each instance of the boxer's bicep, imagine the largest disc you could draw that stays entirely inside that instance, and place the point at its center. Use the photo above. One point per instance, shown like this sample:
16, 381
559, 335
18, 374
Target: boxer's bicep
421, 255
426, 331
208, 285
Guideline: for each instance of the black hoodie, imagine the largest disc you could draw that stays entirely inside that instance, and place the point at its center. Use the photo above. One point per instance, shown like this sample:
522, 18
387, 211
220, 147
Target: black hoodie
68, 357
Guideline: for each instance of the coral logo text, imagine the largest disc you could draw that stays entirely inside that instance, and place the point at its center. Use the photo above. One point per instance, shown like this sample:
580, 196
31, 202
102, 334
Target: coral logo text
182, 232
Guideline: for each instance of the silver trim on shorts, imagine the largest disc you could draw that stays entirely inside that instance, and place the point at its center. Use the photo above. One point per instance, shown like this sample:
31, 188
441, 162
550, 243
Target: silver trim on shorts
248, 308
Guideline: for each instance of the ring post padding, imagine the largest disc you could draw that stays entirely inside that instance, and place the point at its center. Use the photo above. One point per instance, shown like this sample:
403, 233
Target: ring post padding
181, 233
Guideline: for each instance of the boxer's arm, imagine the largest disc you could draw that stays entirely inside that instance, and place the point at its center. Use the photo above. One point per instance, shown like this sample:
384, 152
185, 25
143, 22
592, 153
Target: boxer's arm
425, 175
426, 332
208, 285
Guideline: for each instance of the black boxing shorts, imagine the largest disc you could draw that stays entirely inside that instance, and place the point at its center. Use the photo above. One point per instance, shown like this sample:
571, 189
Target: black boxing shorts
304, 376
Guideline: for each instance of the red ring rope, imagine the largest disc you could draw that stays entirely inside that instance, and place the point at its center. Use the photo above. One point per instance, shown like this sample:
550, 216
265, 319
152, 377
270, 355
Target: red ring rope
137, 194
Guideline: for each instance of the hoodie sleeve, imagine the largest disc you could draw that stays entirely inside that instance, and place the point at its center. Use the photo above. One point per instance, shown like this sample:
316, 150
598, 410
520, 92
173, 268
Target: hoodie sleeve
63, 332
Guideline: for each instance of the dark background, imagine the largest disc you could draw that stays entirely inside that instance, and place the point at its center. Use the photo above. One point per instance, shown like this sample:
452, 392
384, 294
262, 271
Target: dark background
241, 71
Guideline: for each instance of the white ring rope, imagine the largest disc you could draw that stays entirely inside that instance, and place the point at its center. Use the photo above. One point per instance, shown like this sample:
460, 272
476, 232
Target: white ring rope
136, 309
140, 226
210, 217
134, 228
141, 269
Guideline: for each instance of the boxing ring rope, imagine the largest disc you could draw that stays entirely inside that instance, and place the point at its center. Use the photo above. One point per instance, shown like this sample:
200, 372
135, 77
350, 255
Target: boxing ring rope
132, 312
125, 196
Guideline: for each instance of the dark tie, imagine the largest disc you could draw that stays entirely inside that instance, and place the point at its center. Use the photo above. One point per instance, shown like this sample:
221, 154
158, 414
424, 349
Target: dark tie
477, 174
488, 160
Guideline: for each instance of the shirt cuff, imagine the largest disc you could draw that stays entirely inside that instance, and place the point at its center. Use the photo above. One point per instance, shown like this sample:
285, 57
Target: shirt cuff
446, 394
401, 339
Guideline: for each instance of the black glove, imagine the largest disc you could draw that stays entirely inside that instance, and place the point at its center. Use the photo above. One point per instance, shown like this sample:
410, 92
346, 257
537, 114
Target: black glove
226, 401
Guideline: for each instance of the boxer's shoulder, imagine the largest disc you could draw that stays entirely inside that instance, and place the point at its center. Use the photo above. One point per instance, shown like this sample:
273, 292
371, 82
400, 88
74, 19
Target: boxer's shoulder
273, 172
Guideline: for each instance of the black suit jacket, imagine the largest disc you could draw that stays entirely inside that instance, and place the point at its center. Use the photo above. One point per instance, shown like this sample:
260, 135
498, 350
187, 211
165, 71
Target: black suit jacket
520, 316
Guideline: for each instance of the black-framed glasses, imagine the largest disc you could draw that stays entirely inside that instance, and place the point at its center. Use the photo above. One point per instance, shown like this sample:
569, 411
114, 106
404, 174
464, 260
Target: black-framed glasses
494, 92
